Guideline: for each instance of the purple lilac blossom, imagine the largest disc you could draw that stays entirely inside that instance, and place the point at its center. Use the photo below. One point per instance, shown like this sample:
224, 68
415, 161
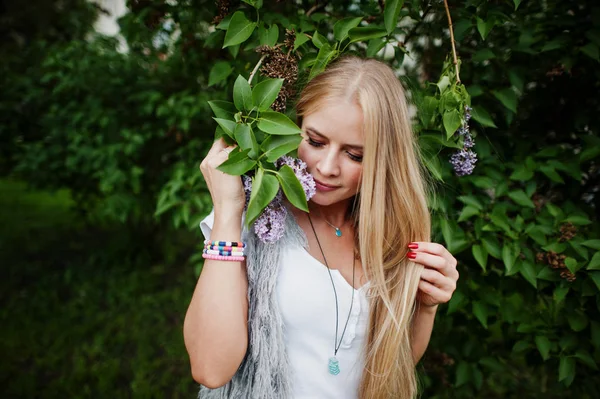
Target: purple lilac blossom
247, 182
270, 224
463, 162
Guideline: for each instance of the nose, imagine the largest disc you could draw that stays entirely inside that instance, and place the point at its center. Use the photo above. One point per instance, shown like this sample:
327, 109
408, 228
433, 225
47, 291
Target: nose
328, 165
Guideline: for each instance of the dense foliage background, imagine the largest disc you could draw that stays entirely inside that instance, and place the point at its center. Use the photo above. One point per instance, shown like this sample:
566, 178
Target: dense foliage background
101, 195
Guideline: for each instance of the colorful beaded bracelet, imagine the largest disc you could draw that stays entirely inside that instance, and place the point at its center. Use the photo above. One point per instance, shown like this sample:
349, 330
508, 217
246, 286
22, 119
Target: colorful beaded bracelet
224, 253
223, 248
226, 243
226, 258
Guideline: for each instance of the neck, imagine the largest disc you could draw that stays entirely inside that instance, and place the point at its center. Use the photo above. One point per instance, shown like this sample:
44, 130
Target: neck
336, 214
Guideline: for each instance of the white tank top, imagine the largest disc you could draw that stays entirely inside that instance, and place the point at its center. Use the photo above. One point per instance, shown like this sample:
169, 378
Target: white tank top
307, 304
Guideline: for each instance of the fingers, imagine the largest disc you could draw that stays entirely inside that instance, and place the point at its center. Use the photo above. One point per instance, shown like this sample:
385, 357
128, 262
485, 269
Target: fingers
439, 295
217, 147
437, 279
435, 256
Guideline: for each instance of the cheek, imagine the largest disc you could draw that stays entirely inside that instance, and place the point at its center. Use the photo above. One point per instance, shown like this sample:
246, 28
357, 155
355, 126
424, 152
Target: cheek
354, 173
306, 153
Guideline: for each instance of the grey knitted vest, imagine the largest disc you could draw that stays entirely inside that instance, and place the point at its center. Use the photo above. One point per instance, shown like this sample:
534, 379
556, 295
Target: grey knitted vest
264, 372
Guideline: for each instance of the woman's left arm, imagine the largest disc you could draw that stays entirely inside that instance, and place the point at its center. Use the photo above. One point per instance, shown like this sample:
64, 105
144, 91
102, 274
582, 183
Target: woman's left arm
438, 282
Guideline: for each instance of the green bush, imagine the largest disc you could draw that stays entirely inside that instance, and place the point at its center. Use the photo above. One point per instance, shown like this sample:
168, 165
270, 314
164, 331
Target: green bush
127, 130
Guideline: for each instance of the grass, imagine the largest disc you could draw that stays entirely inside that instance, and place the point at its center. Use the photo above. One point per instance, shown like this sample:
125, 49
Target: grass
78, 320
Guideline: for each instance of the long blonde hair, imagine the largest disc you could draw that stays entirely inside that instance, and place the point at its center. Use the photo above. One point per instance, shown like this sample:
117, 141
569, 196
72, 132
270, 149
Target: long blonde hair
391, 212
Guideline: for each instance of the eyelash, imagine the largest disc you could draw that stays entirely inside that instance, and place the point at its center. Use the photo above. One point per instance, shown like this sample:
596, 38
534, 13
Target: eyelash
353, 157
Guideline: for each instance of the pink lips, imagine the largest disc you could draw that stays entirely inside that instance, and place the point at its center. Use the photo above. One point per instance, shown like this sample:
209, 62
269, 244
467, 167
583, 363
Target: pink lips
324, 187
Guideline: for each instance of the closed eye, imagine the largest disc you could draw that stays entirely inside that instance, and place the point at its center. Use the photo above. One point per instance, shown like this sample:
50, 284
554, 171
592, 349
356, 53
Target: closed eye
355, 158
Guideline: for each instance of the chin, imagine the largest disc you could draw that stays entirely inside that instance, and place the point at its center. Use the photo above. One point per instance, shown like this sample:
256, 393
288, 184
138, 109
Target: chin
326, 199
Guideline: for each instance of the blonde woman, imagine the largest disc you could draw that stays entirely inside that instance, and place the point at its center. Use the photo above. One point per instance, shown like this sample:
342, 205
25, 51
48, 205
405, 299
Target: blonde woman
343, 306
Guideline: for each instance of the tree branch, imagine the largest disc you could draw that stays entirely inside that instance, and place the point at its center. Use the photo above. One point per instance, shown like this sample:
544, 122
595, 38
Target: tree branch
455, 60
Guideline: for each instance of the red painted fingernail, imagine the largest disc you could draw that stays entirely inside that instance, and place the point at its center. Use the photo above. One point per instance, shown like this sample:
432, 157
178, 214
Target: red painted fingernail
413, 245
412, 255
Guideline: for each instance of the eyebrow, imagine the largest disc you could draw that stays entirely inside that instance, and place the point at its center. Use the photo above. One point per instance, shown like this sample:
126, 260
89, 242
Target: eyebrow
315, 131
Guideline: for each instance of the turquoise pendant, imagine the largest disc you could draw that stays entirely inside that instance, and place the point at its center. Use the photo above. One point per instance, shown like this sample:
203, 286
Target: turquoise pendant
334, 366
338, 232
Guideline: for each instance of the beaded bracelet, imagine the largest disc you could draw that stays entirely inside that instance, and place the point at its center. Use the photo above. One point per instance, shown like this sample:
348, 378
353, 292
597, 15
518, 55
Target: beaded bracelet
224, 253
226, 243
223, 248
221, 257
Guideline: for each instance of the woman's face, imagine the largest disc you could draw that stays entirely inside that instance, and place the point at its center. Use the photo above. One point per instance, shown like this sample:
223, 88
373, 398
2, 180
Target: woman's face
332, 148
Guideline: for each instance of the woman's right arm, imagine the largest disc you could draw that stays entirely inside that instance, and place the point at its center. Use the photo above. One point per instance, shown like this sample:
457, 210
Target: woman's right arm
216, 323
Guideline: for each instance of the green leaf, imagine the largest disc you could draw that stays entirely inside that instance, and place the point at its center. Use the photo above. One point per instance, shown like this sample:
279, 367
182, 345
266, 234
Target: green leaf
245, 138
509, 256
578, 220
391, 13
219, 72
462, 374
452, 121
566, 368
300, 39
471, 200
481, 115
223, 109
560, 293
326, 54
577, 320
521, 198
543, 344
268, 37
265, 93
447, 232
492, 246
521, 173
537, 234
237, 164
481, 312
374, 46
483, 55
554, 210
585, 358
264, 189
594, 244
517, 2
594, 262
239, 30
277, 123
571, 264
551, 173
457, 302
595, 276
467, 212
242, 94
591, 50
292, 188
527, 270
484, 27
507, 97
227, 126
481, 255
341, 27
365, 33
277, 146
319, 40
427, 110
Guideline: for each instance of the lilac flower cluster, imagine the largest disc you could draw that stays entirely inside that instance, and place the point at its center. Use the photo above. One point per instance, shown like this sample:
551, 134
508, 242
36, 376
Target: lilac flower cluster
464, 160
269, 227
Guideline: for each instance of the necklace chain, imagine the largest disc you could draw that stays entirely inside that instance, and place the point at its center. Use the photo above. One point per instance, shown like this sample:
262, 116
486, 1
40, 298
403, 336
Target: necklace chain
336, 346
338, 231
